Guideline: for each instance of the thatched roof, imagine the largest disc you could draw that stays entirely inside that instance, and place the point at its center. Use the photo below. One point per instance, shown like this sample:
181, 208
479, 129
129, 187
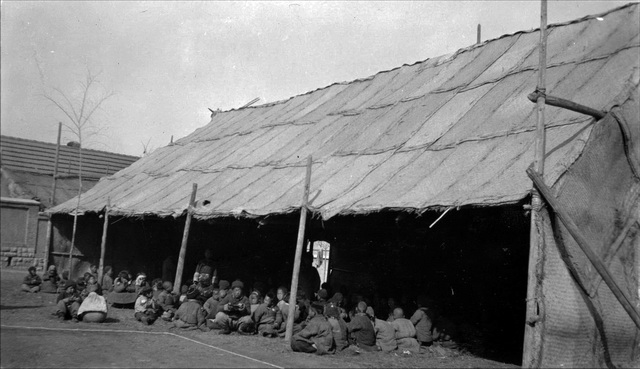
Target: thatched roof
449, 131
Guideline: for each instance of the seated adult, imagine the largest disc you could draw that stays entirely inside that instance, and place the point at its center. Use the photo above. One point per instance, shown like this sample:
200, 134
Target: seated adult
317, 336
361, 329
31, 282
233, 310
405, 332
50, 280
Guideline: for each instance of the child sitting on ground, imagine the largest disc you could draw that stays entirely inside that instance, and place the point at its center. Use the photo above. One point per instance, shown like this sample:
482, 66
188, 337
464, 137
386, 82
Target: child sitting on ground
141, 282
122, 283
211, 305
81, 284
107, 279
166, 301
64, 281
267, 317
68, 302
156, 284
422, 321
405, 333
145, 310
190, 314
338, 326
91, 285
254, 300
93, 269
183, 293
205, 288
50, 280
31, 282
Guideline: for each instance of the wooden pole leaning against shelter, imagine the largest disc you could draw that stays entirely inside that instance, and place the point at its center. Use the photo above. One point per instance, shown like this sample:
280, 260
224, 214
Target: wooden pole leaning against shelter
185, 237
52, 200
535, 304
584, 245
103, 242
296, 261
566, 104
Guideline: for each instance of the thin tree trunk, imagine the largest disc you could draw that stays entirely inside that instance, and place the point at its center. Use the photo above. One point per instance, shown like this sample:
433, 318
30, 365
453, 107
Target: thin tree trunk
75, 215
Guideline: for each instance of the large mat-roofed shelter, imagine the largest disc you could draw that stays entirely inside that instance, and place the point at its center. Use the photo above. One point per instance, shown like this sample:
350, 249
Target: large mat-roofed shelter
451, 132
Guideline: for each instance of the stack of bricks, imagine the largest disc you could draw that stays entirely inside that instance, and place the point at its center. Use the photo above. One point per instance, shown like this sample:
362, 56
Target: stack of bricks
20, 257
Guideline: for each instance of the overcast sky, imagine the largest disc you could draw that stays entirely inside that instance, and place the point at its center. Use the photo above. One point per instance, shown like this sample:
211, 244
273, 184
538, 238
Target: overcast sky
167, 62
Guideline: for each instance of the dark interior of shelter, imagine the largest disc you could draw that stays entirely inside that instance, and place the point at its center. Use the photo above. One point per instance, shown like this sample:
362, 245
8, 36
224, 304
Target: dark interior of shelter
470, 263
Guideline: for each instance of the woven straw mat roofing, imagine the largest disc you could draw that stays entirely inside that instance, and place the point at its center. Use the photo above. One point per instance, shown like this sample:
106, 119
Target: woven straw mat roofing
449, 131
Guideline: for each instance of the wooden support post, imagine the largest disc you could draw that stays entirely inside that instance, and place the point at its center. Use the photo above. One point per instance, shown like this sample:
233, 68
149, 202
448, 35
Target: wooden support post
103, 243
535, 305
584, 245
566, 104
298, 256
52, 200
185, 237
47, 246
479, 34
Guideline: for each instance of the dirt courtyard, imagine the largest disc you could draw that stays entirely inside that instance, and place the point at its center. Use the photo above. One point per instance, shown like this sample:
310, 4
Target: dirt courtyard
31, 336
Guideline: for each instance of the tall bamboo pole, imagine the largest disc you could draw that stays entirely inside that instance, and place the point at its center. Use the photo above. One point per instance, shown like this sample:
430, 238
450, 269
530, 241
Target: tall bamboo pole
298, 256
52, 200
75, 215
535, 304
103, 243
185, 237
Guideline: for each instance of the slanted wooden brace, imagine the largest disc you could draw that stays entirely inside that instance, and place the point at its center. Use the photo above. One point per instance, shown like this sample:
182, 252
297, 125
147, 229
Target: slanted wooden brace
584, 245
103, 242
185, 237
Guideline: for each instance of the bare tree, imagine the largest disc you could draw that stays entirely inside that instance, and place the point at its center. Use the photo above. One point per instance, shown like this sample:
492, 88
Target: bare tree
79, 109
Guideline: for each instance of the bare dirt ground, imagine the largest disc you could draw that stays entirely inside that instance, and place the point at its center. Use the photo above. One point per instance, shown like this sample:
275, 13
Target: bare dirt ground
32, 337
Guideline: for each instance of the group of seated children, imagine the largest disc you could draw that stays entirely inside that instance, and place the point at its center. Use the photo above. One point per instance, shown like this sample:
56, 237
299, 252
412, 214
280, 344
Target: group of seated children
75, 298
322, 326
51, 282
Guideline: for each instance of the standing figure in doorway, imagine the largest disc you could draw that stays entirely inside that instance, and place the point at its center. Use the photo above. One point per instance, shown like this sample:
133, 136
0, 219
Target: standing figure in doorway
206, 268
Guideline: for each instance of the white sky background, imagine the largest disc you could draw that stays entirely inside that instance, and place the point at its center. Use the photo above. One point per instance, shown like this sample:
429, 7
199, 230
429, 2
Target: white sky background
167, 62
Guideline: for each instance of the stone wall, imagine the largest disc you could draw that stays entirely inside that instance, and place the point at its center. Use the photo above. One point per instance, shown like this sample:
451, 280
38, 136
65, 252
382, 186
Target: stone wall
22, 235
20, 257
